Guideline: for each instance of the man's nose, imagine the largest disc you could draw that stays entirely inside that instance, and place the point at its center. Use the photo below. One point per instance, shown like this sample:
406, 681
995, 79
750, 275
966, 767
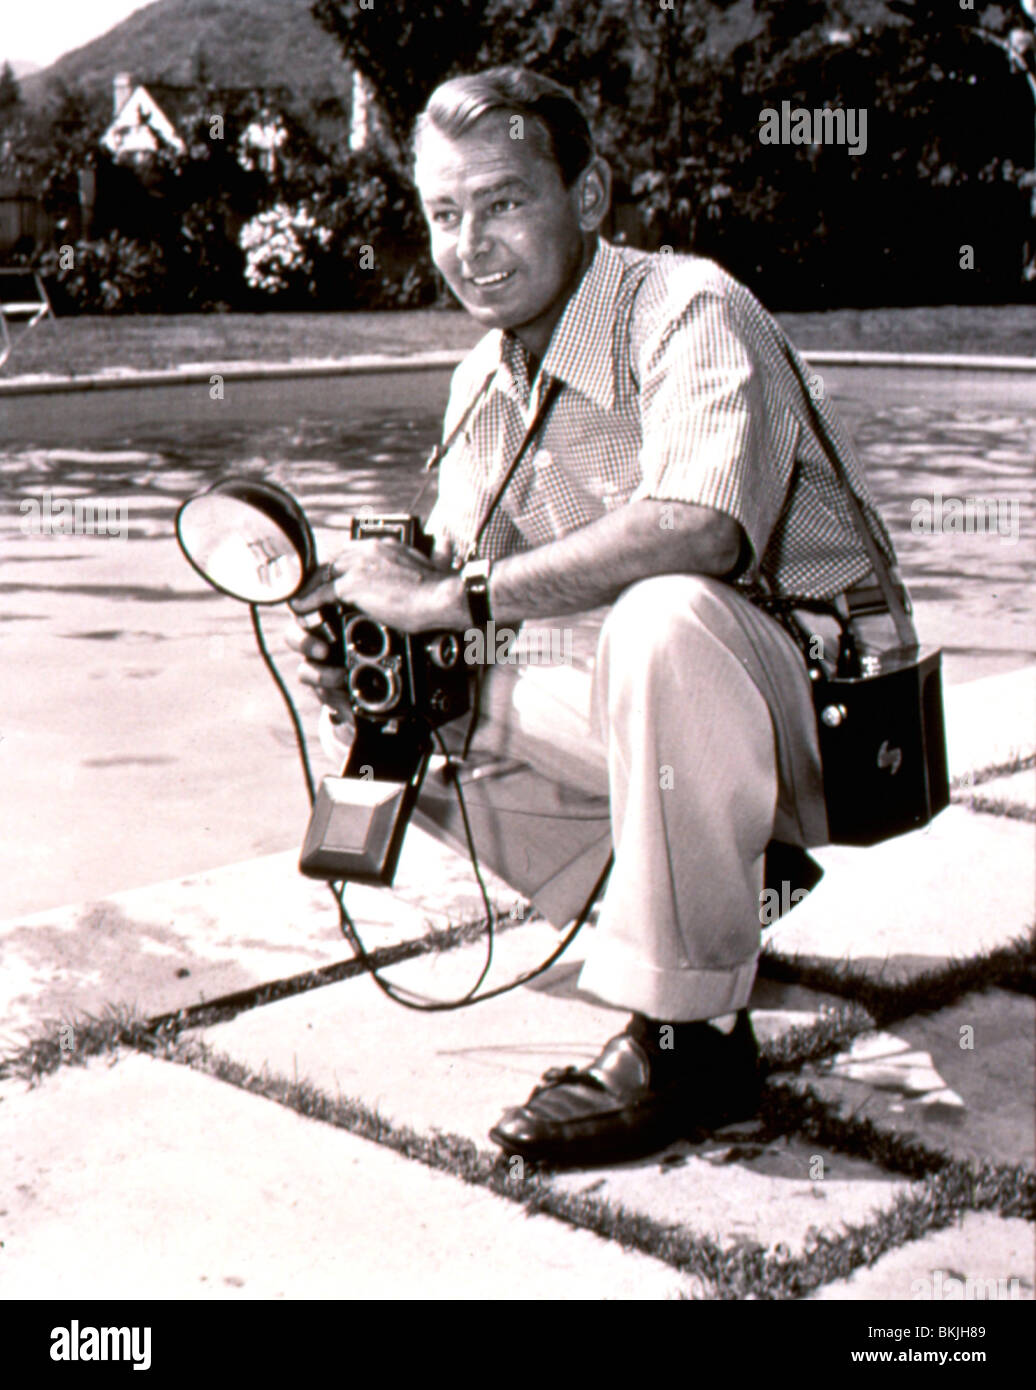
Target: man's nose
472, 242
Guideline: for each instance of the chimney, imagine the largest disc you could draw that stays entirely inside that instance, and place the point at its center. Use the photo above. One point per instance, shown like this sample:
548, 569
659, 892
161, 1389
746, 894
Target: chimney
122, 89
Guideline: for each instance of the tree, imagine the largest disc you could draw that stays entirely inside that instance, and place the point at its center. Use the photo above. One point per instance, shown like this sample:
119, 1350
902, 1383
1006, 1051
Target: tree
10, 93
407, 51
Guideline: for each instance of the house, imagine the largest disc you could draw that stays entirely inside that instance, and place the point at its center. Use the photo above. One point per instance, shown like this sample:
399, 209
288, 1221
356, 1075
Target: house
156, 116
139, 126
152, 116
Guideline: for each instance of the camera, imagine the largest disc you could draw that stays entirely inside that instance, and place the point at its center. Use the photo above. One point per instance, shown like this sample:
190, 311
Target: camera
398, 676
400, 686
250, 539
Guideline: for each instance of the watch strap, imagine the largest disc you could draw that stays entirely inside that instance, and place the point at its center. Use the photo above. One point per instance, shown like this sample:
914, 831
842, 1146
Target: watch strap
475, 578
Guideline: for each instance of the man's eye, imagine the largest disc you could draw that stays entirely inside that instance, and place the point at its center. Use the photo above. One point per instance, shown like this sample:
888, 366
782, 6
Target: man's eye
502, 205
444, 219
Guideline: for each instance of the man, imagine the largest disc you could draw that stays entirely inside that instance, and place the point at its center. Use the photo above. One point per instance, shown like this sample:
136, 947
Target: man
674, 473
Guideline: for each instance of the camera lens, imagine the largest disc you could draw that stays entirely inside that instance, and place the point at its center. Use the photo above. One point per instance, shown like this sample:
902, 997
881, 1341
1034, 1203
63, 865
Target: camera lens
443, 651
364, 637
373, 688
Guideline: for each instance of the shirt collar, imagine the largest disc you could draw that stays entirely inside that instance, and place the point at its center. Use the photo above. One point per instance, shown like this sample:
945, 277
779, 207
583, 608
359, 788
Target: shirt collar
576, 353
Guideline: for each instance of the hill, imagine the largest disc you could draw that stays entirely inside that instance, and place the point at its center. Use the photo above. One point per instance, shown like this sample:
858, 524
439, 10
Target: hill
262, 43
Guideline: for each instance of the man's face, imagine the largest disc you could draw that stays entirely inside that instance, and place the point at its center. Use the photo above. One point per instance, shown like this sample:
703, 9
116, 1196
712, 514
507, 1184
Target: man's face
506, 233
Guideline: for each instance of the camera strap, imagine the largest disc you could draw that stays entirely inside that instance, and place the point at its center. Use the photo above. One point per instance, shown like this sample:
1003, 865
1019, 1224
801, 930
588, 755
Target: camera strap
550, 395
890, 590
440, 450
533, 432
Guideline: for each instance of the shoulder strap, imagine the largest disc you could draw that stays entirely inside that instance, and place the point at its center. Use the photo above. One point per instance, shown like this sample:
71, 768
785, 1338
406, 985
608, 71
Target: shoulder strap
550, 395
889, 589
440, 450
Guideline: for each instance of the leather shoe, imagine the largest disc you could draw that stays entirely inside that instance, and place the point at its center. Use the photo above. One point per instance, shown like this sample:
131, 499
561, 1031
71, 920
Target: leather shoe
624, 1106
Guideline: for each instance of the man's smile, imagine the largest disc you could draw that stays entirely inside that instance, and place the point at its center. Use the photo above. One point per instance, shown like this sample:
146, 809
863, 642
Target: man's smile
490, 280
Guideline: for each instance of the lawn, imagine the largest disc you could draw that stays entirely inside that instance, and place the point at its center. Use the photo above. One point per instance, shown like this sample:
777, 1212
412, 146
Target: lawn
72, 346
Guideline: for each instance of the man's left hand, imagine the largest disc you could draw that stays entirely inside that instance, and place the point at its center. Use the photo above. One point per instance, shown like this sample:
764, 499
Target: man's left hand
388, 581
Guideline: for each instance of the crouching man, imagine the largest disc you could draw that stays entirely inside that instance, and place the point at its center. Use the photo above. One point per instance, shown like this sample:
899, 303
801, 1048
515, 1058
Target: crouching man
667, 476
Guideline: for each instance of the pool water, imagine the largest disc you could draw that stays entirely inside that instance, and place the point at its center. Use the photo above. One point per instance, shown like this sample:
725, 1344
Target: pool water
973, 592
141, 739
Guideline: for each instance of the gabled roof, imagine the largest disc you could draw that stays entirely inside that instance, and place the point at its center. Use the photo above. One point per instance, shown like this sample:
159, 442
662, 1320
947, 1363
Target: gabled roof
140, 124
179, 102
156, 111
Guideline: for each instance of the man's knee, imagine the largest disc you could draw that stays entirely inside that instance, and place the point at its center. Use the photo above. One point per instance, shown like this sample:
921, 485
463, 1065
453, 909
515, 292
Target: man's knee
647, 617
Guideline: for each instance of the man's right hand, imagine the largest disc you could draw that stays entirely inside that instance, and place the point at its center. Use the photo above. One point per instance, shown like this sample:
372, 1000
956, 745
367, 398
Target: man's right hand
325, 679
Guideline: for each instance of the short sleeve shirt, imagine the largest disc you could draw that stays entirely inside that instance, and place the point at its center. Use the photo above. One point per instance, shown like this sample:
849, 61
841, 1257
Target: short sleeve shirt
676, 387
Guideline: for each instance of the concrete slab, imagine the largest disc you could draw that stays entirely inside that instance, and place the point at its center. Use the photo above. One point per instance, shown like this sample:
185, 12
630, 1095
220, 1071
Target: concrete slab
147, 1180
457, 1071
984, 1051
990, 721
982, 1257
962, 885
175, 944
745, 1193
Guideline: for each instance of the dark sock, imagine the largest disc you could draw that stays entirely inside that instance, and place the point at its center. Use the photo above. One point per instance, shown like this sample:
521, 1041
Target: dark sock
673, 1047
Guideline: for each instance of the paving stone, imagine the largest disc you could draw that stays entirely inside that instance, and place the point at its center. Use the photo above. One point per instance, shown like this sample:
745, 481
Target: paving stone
990, 721
174, 944
982, 1257
962, 885
148, 1180
457, 1071
993, 1079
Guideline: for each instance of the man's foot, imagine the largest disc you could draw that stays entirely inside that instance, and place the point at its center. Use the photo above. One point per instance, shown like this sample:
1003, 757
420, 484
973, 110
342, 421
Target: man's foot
644, 1090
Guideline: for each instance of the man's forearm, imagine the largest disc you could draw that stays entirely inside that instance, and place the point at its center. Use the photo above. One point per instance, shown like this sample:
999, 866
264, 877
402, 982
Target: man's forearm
590, 567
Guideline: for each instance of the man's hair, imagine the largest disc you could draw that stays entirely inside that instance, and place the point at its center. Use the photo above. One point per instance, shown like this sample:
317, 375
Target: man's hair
551, 110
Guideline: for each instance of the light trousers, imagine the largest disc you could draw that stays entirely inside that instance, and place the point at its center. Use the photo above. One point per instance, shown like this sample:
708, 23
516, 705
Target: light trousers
681, 734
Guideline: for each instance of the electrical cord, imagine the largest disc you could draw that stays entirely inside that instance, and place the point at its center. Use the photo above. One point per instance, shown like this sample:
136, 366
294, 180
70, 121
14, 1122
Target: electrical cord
347, 926
293, 714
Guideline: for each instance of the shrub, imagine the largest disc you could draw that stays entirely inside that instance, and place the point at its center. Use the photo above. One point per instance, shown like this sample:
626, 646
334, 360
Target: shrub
109, 276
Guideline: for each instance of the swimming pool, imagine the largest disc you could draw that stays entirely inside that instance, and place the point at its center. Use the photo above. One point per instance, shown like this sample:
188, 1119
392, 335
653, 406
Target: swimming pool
142, 739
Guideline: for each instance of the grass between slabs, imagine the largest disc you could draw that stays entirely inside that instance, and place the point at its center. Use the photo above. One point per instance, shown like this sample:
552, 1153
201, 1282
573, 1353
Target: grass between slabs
94, 1035
962, 795
1011, 967
944, 1188
998, 806
947, 1189
1023, 762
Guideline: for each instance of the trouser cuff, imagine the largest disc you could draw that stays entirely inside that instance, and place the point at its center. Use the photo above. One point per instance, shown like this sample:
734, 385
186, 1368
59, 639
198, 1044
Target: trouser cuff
678, 995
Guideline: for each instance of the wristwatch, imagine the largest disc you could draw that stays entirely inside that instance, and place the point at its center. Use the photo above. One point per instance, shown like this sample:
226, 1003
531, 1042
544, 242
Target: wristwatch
475, 578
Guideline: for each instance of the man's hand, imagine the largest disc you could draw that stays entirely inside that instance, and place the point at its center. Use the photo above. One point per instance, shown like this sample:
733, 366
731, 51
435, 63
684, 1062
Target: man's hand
398, 586
327, 681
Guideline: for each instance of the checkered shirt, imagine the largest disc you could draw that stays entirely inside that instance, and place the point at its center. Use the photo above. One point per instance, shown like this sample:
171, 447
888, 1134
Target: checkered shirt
675, 387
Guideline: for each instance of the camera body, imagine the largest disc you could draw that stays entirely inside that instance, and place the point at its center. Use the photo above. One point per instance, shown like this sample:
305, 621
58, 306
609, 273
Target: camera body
400, 687
394, 675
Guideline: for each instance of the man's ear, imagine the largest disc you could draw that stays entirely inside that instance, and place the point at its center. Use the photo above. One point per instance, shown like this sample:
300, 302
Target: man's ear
594, 192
